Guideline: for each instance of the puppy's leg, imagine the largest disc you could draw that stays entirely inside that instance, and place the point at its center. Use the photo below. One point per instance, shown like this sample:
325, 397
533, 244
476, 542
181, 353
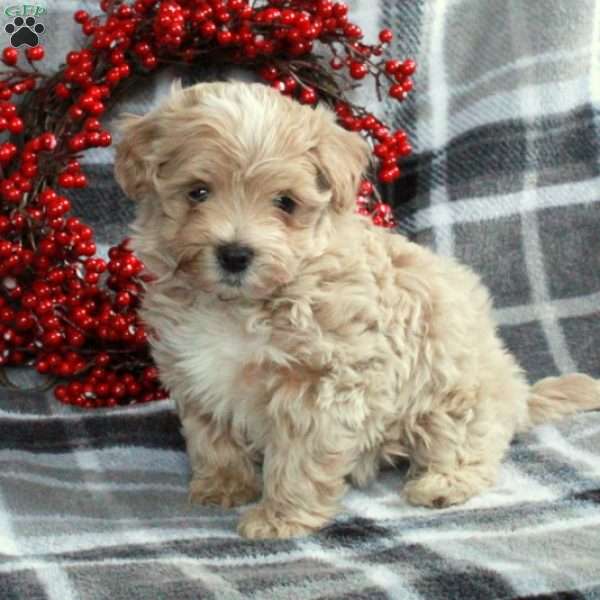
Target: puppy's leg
222, 473
366, 468
303, 478
454, 456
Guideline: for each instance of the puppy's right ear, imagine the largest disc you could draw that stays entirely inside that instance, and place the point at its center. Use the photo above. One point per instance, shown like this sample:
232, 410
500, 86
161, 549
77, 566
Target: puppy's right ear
134, 164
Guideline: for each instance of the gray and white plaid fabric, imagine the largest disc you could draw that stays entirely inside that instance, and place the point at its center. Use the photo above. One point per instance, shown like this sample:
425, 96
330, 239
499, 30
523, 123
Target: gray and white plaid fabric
506, 176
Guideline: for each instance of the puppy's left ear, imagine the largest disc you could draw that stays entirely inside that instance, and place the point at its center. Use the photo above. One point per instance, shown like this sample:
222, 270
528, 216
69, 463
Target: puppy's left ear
134, 168
342, 157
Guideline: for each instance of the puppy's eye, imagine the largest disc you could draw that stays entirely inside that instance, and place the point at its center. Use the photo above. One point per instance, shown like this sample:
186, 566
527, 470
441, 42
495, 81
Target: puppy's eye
285, 203
199, 194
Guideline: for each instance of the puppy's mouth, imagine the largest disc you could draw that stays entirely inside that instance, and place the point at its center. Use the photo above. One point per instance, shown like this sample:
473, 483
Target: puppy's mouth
230, 286
234, 281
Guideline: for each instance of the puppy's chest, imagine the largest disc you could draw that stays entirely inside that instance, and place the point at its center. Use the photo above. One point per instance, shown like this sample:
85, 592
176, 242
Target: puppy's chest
219, 359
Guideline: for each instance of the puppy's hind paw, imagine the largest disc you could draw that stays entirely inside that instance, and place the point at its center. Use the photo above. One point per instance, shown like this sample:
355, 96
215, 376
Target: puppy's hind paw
259, 523
223, 493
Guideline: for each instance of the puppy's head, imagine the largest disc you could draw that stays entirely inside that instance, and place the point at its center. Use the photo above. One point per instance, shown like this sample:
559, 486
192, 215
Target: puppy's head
237, 185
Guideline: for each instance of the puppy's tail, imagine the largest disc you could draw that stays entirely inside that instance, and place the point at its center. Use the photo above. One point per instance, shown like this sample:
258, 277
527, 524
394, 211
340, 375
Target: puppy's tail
555, 397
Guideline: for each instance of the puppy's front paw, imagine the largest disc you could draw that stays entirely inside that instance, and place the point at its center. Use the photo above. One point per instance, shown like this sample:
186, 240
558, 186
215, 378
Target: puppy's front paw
259, 522
437, 490
224, 492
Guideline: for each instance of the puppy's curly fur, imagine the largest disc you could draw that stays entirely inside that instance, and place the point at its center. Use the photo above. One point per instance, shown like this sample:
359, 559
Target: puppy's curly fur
338, 346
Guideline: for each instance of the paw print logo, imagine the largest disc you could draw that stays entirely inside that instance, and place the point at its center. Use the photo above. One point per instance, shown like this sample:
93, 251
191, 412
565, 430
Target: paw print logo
24, 32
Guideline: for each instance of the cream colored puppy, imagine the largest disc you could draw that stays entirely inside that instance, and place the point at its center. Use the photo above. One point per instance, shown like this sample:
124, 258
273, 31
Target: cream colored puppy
291, 331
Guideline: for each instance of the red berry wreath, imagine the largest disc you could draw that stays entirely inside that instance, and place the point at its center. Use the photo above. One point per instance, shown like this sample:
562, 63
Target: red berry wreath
71, 314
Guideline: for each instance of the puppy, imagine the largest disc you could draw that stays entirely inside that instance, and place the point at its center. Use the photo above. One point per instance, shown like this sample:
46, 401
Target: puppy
290, 330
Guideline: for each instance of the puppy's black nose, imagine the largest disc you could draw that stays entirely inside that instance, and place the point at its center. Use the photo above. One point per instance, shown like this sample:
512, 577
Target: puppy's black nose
234, 258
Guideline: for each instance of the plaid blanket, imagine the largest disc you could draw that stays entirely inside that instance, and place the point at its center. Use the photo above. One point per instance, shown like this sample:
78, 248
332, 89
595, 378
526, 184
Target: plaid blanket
505, 122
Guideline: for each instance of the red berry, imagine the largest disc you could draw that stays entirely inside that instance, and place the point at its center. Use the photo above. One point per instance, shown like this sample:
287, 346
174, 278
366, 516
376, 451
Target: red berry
382, 134
208, 29
5, 248
14, 196
80, 181
386, 36
340, 9
408, 67
336, 63
19, 88
382, 209
77, 143
269, 73
102, 359
324, 8
309, 31
81, 16
342, 109
117, 57
369, 123
75, 112
397, 91
224, 37
366, 188
308, 96
290, 84
16, 125
405, 149
10, 56
48, 141
389, 174
381, 151
9, 109
134, 389
288, 16
358, 70
391, 66
113, 76
93, 138
150, 62
75, 338
92, 124
73, 58
66, 180
353, 31
97, 108
47, 195
142, 49
222, 16
35, 53
62, 91
29, 170
351, 123
118, 391
123, 299
61, 393
42, 366
150, 375
53, 338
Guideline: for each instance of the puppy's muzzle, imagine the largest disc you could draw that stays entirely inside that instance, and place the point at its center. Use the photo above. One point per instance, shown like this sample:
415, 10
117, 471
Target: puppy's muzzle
234, 258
